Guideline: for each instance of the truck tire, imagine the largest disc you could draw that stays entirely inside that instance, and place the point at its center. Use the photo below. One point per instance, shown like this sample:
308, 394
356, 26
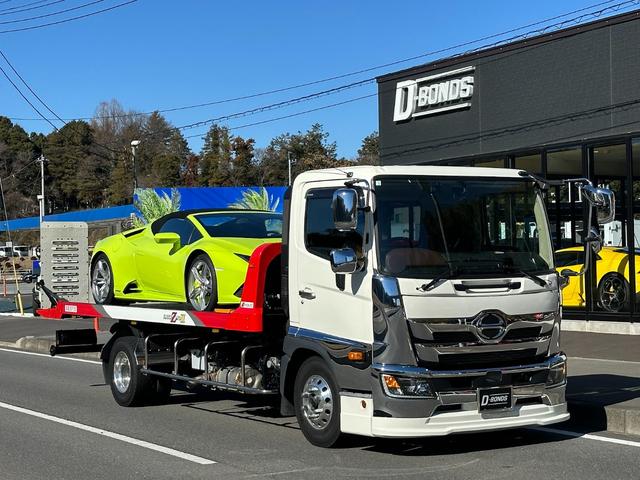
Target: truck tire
317, 403
129, 387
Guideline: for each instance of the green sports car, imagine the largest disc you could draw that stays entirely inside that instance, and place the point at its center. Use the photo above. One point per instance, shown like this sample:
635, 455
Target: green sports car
197, 256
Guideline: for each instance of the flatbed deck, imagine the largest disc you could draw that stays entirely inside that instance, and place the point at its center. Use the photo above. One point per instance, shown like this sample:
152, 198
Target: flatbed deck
246, 317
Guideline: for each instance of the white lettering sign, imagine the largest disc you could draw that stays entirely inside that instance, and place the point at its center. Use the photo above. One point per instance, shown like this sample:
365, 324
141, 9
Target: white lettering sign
433, 94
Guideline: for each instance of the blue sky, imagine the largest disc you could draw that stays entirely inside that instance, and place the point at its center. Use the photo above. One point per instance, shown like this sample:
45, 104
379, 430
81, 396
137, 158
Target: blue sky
156, 54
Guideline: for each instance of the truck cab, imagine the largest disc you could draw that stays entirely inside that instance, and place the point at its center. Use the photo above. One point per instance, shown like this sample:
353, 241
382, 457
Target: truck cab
422, 301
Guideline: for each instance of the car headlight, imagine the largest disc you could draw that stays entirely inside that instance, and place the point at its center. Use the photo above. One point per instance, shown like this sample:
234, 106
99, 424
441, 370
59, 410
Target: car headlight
406, 387
557, 374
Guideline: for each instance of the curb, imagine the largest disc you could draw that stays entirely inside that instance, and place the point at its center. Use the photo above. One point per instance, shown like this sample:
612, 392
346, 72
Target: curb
42, 345
611, 418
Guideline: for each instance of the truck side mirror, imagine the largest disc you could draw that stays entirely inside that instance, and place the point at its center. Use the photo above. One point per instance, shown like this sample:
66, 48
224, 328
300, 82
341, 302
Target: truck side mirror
345, 209
594, 240
603, 200
343, 260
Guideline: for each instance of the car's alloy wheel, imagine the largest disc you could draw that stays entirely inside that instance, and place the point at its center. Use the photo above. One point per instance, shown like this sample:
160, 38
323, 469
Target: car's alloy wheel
102, 280
614, 293
201, 284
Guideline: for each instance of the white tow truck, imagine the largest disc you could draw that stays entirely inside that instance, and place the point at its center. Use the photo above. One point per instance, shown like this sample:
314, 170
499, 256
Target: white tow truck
403, 302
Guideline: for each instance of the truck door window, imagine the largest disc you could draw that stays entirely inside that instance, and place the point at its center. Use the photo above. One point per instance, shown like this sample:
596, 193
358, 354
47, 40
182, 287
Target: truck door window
320, 236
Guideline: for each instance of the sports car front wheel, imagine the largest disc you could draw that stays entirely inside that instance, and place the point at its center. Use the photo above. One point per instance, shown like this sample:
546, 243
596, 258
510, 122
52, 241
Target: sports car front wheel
102, 280
202, 288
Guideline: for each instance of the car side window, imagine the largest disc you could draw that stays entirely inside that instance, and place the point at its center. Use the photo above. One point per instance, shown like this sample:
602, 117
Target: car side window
183, 227
320, 236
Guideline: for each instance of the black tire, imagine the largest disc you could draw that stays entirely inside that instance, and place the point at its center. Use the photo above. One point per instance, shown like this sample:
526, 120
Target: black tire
101, 260
204, 305
315, 379
138, 388
614, 293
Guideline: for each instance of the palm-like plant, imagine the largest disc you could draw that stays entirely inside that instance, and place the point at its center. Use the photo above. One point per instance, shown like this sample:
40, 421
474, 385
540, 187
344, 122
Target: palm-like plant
152, 205
257, 200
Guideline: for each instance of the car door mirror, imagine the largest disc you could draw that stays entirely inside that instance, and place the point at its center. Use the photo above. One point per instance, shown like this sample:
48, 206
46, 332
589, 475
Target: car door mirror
343, 260
345, 209
603, 200
168, 238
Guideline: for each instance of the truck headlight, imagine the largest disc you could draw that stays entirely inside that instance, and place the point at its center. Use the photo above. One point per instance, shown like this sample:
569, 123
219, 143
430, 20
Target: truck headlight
557, 374
409, 387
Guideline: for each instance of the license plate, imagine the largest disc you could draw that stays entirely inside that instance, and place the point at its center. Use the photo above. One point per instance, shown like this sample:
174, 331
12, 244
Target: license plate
494, 398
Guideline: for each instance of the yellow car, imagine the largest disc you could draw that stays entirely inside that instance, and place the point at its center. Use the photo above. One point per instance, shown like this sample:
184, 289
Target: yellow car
613, 292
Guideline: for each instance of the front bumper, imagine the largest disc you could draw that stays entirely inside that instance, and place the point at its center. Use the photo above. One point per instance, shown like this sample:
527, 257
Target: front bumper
456, 411
468, 421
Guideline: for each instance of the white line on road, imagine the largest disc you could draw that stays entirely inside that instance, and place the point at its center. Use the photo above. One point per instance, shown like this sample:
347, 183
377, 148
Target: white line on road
82, 360
588, 436
106, 433
606, 360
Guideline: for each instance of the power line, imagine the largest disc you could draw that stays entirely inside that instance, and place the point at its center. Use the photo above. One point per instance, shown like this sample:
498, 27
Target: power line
30, 89
25, 98
33, 27
389, 64
31, 8
297, 114
60, 12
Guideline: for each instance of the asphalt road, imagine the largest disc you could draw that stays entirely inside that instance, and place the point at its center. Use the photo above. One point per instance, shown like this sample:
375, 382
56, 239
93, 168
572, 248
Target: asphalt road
40, 395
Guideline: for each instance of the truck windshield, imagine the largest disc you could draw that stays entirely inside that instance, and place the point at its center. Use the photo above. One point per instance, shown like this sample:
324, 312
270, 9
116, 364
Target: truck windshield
430, 226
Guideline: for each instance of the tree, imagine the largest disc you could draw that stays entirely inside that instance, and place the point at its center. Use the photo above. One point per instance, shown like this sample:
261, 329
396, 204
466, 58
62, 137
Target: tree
243, 167
216, 167
369, 152
309, 150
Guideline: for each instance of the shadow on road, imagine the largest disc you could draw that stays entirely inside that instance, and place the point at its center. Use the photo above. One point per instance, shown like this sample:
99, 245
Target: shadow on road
266, 411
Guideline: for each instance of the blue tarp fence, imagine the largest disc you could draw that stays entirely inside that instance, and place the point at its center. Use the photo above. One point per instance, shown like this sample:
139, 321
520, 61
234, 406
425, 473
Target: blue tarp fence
190, 198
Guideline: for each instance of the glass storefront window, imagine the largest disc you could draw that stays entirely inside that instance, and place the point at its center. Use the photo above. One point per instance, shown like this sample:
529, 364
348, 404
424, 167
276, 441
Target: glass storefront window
530, 163
612, 284
490, 162
565, 162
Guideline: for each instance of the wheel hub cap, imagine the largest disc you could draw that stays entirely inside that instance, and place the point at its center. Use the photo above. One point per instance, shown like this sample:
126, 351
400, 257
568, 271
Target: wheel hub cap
121, 372
317, 402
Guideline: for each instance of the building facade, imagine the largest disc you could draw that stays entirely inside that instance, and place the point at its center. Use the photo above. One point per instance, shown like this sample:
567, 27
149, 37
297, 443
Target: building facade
560, 105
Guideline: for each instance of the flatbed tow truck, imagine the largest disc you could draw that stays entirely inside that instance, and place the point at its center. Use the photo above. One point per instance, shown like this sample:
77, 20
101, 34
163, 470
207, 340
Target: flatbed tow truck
402, 302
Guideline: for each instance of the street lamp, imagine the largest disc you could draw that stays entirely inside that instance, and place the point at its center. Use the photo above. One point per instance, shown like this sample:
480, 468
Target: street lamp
134, 146
290, 163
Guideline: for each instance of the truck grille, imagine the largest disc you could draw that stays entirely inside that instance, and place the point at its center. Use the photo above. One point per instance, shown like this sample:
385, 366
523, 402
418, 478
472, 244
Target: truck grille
488, 340
485, 359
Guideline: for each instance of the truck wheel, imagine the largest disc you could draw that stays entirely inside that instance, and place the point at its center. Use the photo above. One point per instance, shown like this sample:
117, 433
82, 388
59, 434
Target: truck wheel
128, 386
317, 403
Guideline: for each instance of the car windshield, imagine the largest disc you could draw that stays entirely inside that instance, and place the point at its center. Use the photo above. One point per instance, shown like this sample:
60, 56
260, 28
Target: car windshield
430, 226
242, 224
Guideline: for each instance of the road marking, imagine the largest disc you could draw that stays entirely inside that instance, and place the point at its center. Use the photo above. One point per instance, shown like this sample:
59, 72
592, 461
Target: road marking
22, 352
588, 436
604, 360
115, 436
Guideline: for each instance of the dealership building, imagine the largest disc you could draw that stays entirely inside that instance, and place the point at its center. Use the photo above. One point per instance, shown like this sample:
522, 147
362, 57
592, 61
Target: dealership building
560, 105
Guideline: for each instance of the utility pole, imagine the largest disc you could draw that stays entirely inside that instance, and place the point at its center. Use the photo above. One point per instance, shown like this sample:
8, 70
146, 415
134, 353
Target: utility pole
41, 160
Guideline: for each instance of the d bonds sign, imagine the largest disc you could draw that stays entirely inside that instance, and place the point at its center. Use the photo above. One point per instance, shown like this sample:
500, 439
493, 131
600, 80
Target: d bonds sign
434, 94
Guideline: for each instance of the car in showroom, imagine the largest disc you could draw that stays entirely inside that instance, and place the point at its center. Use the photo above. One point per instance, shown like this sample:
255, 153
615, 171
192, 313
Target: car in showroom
195, 256
612, 290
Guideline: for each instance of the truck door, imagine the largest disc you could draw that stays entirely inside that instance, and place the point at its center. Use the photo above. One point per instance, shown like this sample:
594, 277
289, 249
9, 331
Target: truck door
320, 300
